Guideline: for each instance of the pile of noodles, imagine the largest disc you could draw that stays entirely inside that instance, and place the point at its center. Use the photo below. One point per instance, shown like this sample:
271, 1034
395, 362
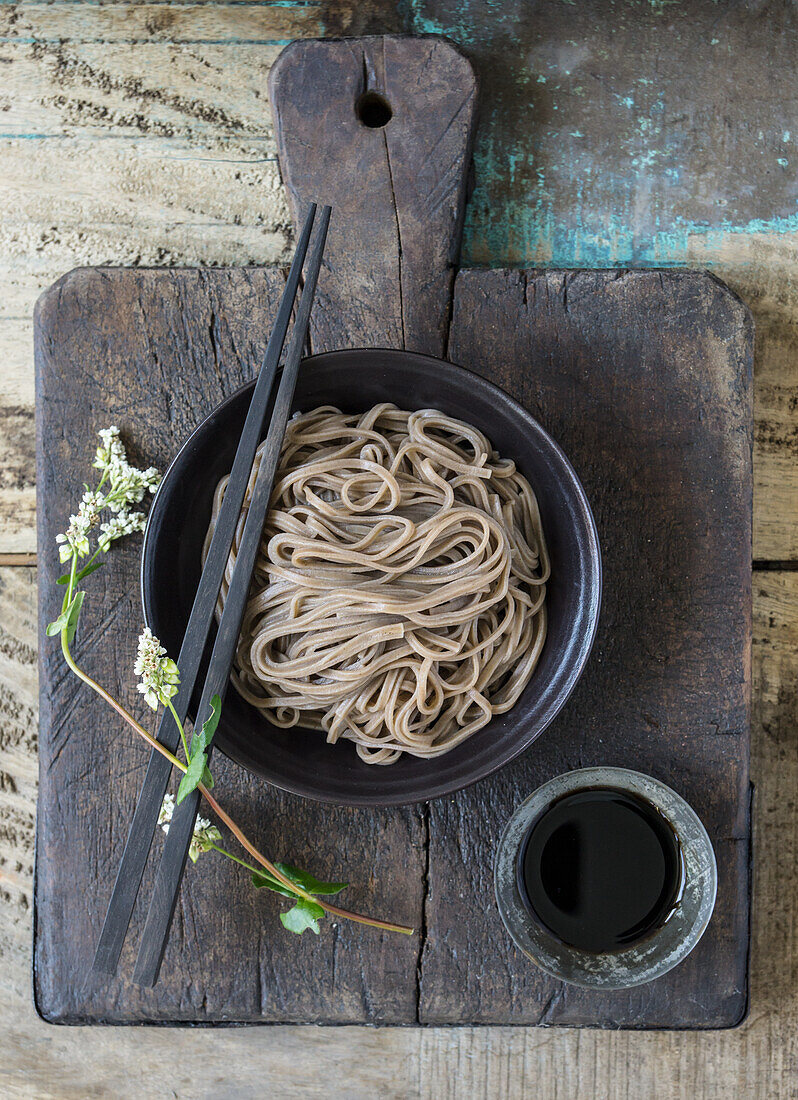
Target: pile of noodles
398, 598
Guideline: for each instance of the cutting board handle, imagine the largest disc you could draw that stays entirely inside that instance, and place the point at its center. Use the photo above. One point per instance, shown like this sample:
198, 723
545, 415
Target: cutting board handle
380, 128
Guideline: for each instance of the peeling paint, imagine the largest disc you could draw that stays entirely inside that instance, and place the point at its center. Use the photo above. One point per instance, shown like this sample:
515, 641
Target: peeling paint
596, 148
614, 244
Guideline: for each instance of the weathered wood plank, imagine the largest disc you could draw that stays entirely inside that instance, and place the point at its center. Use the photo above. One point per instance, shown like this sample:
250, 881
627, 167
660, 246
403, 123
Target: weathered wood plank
141, 23
559, 324
89, 195
612, 132
763, 269
18, 738
758, 1060
193, 22
158, 89
173, 344
397, 189
178, 200
17, 452
645, 380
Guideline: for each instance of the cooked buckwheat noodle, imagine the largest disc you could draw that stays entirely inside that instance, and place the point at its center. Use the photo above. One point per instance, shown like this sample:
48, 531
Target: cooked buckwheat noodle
398, 598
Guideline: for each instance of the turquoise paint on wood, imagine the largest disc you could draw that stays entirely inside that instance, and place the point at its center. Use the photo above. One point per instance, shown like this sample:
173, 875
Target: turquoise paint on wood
613, 133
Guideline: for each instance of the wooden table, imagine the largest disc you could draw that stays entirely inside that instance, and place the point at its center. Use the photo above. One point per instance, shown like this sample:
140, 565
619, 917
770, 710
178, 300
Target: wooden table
140, 133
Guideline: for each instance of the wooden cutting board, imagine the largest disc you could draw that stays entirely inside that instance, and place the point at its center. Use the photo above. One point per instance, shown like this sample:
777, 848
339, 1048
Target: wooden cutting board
645, 380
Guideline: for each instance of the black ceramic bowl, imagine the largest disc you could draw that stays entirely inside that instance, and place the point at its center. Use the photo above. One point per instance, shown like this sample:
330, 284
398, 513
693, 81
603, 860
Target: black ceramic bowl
300, 760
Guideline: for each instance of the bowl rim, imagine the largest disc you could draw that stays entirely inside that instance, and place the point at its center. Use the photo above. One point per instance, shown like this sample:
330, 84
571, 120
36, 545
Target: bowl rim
582, 650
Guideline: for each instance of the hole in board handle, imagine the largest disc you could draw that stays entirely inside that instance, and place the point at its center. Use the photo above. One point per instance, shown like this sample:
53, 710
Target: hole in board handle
373, 110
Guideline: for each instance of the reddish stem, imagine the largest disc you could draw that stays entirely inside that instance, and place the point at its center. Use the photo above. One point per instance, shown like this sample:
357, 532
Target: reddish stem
217, 809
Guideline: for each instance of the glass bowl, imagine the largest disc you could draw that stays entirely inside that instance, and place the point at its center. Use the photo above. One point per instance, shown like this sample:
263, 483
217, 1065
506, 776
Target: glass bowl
646, 959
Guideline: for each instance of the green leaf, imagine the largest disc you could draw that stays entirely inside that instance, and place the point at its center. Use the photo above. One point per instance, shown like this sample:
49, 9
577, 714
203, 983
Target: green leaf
308, 882
198, 770
303, 916
73, 615
57, 625
84, 572
68, 619
195, 746
192, 777
262, 879
205, 736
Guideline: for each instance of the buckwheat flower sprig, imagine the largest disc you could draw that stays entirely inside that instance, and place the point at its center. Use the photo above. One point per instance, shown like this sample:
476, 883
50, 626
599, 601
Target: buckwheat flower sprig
121, 486
159, 683
128, 484
124, 484
158, 675
76, 538
205, 836
127, 523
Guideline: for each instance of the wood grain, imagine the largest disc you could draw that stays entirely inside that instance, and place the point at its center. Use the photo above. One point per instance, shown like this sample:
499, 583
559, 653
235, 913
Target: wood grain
758, 1060
676, 640
192, 22
142, 23
764, 271
541, 338
106, 89
173, 344
397, 192
645, 380
149, 154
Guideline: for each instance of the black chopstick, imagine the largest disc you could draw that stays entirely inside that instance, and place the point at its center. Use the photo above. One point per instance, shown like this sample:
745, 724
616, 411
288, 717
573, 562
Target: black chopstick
178, 840
145, 819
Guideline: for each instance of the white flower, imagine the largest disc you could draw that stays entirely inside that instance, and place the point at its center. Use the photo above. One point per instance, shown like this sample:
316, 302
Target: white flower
166, 811
159, 676
204, 836
128, 485
111, 451
65, 548
123, 524
87, 516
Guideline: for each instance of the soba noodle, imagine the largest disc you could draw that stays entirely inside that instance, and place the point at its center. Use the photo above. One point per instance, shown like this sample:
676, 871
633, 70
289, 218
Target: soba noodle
398, 599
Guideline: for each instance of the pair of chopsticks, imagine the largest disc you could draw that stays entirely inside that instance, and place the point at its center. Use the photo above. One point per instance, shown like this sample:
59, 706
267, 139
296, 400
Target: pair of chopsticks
145, 819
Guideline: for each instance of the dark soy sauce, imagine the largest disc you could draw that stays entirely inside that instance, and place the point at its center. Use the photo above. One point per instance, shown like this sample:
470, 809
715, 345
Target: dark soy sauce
601, 869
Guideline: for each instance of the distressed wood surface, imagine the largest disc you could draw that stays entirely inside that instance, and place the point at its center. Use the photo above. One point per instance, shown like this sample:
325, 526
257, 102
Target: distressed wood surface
144, 151
161, 100
142, 23
161, 345
615, 131
161, 349
674, 641
397, 191
757, 1060
537, 340
644, 379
